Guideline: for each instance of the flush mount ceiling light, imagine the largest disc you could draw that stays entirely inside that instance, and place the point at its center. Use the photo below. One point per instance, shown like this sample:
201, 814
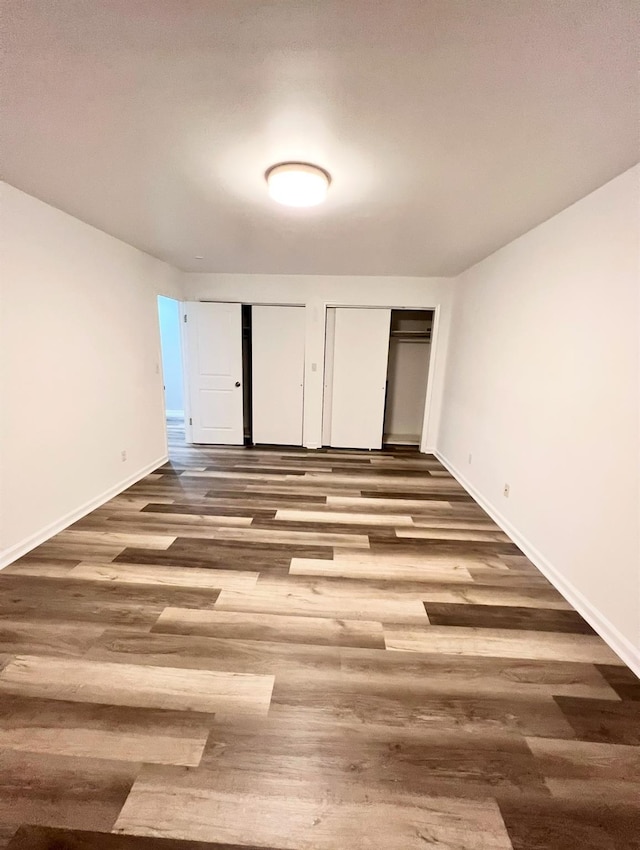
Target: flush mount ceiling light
297, 184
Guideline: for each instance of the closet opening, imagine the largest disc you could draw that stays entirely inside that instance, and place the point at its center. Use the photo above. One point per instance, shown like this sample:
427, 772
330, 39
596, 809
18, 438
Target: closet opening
407, 376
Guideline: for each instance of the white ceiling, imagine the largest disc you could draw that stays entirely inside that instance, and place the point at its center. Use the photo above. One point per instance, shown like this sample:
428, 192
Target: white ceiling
449, 126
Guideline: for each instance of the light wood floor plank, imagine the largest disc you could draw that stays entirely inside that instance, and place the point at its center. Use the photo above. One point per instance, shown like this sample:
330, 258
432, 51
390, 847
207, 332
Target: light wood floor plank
289, 820
349, 518
113, 745
425, 533
122, 684
387, 572
504, 643
117, 538
271, 627
303, 602
159, 574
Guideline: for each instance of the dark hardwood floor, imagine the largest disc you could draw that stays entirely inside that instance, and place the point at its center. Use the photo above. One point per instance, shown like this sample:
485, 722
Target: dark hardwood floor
305, 651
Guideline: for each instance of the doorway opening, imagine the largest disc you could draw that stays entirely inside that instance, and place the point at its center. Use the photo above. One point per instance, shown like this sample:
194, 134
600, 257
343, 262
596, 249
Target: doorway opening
172, 369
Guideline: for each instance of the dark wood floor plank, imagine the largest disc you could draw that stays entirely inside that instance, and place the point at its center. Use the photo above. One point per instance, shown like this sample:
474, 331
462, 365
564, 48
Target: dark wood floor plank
18, 589
603, 721
624, 682
43, 838
507, 617
542, 823
7, 831
209, 510
53, 790
228, 555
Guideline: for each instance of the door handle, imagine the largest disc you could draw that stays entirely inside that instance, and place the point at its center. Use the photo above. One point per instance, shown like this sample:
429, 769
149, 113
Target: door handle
237, 383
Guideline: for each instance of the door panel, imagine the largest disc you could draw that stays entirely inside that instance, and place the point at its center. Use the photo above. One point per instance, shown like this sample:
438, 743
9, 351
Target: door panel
361, 350
214, 346
277, 374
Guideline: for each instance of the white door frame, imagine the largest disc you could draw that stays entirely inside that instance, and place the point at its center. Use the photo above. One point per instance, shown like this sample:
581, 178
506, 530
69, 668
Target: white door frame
432, 355
224, 320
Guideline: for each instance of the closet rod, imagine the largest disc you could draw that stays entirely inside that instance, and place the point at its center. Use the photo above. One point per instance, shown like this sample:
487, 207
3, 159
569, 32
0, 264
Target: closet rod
418, 336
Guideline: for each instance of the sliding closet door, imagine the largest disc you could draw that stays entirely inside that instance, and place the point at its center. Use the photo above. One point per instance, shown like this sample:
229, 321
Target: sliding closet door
361, 349
277, 374
213, 335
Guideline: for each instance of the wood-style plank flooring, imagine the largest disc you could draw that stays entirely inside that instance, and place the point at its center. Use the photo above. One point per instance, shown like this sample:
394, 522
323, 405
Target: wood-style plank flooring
305, 651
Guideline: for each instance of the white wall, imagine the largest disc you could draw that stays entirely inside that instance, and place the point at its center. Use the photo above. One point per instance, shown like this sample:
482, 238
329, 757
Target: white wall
170, 338
543, 390
315, 292
79, 368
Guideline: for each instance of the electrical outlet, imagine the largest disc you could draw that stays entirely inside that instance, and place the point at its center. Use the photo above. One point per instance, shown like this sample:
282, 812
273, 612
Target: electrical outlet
505, 492
123, 455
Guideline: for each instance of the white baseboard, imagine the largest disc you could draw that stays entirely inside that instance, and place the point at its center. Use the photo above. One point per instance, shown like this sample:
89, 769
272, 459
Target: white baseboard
610, 634
174, 414
8, 556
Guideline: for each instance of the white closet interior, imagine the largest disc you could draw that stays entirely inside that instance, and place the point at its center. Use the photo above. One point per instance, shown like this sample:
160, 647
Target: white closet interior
407, 373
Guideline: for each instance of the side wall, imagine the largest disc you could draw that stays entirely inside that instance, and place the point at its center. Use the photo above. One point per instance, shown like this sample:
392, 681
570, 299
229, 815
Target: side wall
542, 393
80, 378
315, 293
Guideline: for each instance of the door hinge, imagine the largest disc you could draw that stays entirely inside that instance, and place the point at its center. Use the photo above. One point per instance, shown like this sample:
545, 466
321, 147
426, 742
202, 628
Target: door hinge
190, 421
185, 317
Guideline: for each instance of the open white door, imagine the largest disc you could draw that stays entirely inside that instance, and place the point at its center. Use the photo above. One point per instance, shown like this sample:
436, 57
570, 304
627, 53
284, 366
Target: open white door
361, 349
277, 374
214, 353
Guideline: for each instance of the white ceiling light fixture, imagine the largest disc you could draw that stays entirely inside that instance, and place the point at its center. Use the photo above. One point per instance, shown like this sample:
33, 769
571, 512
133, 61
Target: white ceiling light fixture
297, 184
